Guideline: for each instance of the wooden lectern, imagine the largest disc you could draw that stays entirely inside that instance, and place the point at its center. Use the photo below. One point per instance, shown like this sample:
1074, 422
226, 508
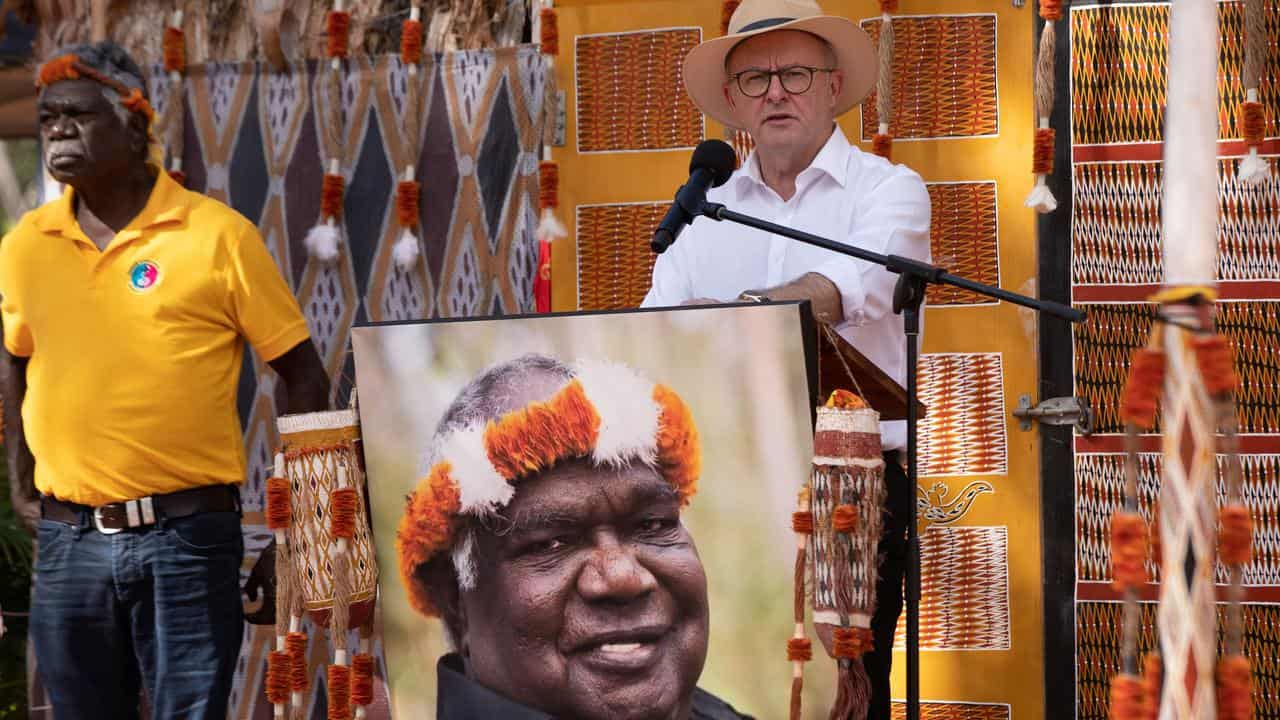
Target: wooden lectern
841, 366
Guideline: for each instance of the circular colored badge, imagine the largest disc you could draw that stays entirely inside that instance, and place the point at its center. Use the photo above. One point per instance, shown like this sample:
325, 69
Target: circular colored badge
143, 276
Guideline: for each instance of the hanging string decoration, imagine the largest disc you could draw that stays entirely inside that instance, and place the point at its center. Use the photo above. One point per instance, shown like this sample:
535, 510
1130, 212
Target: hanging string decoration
1041, 198
549, 228
323, 238
882, 141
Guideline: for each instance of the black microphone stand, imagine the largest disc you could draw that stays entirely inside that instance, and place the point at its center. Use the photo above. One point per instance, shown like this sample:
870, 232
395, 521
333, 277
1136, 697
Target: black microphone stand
913, 278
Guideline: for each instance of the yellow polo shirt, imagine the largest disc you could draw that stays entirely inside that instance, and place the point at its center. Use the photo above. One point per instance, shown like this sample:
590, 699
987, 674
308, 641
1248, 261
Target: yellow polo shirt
136, 349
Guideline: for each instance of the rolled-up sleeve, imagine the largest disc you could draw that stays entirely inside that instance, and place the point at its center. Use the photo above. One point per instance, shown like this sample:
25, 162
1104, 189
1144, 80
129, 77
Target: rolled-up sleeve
894, 221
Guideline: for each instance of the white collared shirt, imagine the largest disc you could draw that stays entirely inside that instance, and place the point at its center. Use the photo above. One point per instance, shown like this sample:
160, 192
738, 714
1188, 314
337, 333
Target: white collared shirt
845, 195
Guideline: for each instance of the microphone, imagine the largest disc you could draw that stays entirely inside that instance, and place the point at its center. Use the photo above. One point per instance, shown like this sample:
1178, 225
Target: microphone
712, 163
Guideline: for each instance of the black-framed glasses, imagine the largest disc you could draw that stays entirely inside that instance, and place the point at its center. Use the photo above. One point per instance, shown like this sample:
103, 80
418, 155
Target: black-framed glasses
795, 79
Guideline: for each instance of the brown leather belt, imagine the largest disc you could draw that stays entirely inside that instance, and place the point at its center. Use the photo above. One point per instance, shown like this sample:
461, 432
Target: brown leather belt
113, 518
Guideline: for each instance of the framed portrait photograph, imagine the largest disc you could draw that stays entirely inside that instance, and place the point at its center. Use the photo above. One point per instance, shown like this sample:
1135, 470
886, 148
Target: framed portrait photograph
589, 515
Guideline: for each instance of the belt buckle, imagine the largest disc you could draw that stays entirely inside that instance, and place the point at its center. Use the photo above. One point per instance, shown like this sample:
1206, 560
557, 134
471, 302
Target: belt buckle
97, 523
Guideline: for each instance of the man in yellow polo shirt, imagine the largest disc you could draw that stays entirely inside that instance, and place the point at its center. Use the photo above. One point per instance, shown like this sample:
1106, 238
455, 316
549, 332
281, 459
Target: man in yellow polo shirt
126, 306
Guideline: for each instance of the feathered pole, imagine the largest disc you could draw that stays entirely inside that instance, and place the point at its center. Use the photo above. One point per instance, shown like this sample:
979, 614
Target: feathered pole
1041, 198
406, 250
550, 228
799, 648
882, 141
1252, 115
175, 64
279, 517
1187, 615
322, 239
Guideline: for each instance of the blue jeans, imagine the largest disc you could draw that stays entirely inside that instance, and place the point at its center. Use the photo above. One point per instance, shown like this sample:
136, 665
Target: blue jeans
155, 608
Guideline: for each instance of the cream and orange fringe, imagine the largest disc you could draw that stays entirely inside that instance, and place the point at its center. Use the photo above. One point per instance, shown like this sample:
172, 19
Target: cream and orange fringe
406, 250
1041, 198
322, 239
1252, 114
882, 141
549, 228
175, 66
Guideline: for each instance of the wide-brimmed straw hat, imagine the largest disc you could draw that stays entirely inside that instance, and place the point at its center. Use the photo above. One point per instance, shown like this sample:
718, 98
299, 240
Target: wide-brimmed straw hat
704, 73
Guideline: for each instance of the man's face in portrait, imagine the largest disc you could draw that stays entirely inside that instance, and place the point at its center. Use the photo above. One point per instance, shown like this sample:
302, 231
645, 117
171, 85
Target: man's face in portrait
590, 601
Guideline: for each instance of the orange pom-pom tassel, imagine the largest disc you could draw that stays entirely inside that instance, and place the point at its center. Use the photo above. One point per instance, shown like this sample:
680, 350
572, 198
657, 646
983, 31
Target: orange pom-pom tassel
1253, 122
1042, 159
339, 677
1217, 363
278, 677
727, 8
882, 145
1127, 698
1152, 673
179, 177
342, 507
407, 192
331, 190
846, 400
844, 519
1235, 691
799, 650
296, 645
411, 42
338, 26
1235, 537
1051, 10
59, 68
888, 7
802, 522
136, 103
548, 185
278, 508
550, 24
1142, 392
362, 679
174, 50
851, 643
1128, 551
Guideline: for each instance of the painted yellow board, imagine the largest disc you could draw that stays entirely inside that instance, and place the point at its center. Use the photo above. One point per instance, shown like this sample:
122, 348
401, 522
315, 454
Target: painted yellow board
1011, 677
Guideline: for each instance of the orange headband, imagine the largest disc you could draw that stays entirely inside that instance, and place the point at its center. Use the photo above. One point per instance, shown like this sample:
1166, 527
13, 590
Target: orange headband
70, 67
479, 466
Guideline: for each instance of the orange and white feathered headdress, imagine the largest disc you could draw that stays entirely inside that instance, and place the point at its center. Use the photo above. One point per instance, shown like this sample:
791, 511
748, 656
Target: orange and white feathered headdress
605, 412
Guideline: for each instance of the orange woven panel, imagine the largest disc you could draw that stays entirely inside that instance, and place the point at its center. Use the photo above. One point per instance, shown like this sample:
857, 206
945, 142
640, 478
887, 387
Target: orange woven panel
963, 238
615, 263
630, 95
964, 589
964, 432
944, 77
952, 711
1098, 633
1119, 72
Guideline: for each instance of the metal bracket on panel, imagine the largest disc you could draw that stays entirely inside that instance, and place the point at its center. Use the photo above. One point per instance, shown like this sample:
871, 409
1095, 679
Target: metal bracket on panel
559, 116
1055, 411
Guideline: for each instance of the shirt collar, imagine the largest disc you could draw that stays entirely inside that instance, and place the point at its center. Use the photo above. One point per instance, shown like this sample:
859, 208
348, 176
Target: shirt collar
832, 159
167, 203
461, 698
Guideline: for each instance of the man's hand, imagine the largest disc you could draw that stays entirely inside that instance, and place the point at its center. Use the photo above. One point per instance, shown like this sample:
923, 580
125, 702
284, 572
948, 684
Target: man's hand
262, 579
21, 464
822, 294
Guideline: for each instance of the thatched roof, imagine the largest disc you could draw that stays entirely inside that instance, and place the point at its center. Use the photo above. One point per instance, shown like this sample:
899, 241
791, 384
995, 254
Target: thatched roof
244, 29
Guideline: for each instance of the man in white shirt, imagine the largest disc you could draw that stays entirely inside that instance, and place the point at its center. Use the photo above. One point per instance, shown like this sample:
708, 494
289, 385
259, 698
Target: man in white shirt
783, 73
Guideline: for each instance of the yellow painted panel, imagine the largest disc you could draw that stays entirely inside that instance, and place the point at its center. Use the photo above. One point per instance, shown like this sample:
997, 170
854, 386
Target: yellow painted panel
1013, 676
